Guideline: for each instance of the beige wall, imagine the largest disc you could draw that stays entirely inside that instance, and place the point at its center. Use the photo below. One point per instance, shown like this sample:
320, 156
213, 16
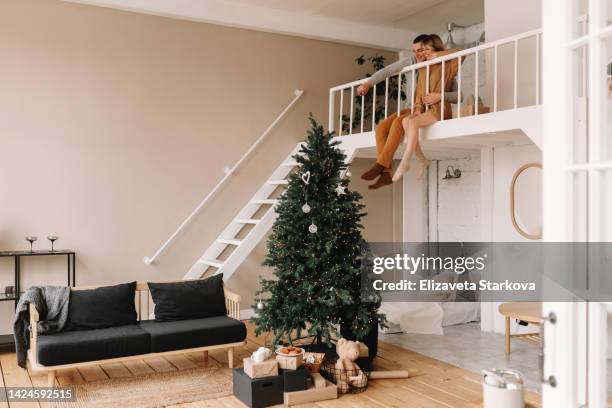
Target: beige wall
114, 125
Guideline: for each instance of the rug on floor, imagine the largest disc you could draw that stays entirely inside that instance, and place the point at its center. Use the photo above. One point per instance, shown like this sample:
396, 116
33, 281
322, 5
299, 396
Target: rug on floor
154, 390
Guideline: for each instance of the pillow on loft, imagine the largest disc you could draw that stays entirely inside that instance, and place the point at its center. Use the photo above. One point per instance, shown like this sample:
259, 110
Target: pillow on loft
189, 299
102, 307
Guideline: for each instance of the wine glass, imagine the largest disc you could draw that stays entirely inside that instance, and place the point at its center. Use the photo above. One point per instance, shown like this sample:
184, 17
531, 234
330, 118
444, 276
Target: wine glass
31, 240
52, 238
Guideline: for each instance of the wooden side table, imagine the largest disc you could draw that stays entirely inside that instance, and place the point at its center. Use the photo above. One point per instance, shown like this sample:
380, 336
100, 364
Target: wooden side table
530, 312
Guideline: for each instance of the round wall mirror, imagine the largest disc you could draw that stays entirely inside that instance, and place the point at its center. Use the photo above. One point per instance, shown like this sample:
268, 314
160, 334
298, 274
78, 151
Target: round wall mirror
526, 201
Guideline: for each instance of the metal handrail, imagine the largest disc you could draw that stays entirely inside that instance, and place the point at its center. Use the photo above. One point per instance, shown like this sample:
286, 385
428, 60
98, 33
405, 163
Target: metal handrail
228, 173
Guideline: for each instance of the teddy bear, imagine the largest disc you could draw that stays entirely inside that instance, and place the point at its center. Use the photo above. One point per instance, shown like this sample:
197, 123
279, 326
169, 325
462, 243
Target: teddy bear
347, 372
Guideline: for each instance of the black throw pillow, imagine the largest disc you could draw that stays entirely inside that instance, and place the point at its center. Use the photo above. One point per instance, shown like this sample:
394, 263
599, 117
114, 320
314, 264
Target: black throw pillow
106, 306
189, 299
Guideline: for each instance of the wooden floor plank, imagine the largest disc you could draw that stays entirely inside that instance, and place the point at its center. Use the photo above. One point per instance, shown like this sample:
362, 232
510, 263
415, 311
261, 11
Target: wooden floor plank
69, 376
3, 402
116, 370
160, 364
93, 373
15, 376
181, 362
138, 367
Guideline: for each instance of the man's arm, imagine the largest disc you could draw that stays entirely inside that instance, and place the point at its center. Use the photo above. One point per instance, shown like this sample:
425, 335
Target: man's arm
389, 70
452, 96
383, 73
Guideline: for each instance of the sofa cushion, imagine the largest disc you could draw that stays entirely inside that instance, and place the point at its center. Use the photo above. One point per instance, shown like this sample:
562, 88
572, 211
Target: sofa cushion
189, 299
68, 347
184, 334
106, 306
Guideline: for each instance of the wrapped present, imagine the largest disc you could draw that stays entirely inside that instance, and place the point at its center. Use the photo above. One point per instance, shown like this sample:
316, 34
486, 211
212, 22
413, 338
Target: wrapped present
267, 368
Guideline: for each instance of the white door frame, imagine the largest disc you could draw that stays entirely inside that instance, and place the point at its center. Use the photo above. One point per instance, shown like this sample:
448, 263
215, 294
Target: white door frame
575, 344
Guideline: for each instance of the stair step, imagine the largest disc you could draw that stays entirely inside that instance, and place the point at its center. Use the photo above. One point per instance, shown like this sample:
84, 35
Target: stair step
246, 221
212, 262
278, 182
230, 241
267, 201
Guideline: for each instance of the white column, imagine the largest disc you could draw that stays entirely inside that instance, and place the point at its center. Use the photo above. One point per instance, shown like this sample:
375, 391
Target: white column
488, 310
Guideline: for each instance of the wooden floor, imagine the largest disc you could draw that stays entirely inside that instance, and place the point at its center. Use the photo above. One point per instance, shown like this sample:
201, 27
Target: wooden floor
432, 383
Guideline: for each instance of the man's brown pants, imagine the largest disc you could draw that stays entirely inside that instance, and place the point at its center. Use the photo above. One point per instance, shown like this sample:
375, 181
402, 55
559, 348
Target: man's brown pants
389, 134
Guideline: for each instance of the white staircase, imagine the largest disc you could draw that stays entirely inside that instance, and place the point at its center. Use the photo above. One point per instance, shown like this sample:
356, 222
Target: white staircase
250, 225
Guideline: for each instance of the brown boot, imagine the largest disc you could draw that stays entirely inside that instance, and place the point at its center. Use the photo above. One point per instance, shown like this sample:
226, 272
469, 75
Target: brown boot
374, 172
383, 180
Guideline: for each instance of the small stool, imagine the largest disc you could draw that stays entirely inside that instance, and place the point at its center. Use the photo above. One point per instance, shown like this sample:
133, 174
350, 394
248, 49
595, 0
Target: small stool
530, 312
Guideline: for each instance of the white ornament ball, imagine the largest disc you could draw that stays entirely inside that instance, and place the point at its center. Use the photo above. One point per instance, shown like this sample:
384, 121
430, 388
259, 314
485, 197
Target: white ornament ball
260, 305
306, 208
312, 228
348, 174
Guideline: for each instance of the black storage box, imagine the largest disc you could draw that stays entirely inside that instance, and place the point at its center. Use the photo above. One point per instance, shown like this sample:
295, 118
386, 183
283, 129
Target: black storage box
295, 380
258, 392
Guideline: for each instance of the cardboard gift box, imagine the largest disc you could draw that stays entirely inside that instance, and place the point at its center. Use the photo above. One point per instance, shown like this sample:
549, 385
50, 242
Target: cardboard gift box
330, 391
289, 362
268, 368
258, 392
295, 380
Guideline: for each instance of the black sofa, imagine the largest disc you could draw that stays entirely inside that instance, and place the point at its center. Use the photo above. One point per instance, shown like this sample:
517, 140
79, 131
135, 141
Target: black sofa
87, 340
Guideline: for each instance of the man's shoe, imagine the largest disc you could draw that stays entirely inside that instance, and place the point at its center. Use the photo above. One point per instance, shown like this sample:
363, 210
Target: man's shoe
374, 172
383, 180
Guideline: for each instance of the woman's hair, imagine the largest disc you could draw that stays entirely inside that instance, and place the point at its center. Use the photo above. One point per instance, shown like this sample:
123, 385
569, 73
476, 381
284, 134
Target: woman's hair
434, 41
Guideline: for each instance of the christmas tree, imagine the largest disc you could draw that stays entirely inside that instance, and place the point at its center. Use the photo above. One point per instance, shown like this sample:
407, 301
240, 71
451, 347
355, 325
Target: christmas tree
317, 251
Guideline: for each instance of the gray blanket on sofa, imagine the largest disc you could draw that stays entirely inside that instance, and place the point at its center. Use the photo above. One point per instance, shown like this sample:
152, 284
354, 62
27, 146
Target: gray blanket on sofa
52, 305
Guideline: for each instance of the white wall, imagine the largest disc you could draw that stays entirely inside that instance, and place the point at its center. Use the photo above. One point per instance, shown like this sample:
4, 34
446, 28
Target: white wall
506, 160
458, 201
504, 18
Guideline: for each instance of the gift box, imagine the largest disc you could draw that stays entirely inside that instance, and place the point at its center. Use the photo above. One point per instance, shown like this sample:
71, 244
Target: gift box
330, 391
268, 368
258, 392
289, 362
295, 380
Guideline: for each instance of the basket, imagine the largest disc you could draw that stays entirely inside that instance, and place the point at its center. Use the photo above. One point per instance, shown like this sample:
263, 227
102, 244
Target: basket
313, 361
331, 373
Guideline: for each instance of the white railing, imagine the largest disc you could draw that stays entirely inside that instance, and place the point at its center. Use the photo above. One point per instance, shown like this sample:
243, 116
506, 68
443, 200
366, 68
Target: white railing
228, 173
354, 121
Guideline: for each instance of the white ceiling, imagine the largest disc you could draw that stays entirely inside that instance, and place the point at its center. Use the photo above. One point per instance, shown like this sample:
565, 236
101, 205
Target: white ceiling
388, 24
413, 15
